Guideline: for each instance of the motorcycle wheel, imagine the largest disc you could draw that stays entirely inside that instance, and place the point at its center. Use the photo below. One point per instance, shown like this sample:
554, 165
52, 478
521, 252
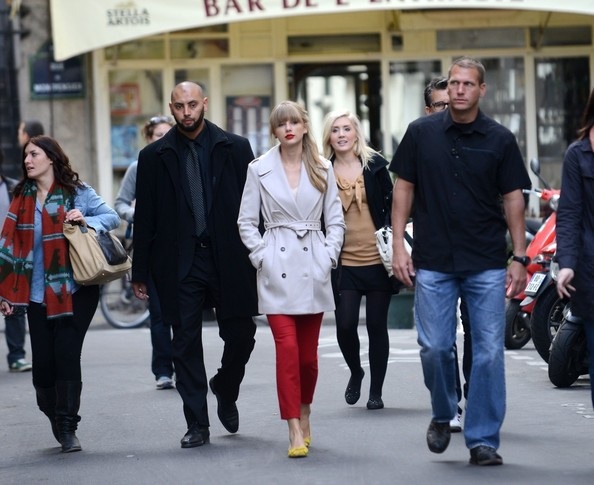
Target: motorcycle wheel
517, 331
120, 307
568, 354
546, 317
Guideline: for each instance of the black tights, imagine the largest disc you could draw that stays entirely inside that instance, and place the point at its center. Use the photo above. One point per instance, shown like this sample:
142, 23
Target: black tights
56, 343
347, 321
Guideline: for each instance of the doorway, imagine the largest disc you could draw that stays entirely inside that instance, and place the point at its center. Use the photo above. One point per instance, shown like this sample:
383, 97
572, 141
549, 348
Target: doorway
323, 88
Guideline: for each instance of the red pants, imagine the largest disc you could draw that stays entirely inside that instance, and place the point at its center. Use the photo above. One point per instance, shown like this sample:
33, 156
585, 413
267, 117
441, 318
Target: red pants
296, 340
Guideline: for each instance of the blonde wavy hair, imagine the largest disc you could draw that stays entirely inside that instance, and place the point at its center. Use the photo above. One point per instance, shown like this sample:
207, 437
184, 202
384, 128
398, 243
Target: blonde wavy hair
362, 150
295, 113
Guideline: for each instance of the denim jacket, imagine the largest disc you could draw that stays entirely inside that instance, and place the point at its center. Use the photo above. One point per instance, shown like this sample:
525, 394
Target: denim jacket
97, 214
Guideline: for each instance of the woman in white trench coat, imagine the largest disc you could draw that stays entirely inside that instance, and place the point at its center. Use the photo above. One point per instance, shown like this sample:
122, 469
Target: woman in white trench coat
293, 188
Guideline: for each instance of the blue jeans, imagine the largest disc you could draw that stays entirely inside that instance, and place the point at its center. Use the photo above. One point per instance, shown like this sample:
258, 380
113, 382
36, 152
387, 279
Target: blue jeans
15, 330
436, 298
162, 358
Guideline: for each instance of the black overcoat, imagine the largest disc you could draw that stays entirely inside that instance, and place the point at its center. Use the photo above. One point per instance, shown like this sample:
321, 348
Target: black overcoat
163, 223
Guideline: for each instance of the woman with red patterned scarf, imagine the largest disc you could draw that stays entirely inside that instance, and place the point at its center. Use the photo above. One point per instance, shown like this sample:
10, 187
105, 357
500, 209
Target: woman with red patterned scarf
36, 277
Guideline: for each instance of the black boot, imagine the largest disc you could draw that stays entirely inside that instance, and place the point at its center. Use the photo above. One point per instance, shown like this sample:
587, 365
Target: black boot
46, 400
67, 418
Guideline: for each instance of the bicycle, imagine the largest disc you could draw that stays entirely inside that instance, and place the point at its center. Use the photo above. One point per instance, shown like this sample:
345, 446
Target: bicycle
118, 304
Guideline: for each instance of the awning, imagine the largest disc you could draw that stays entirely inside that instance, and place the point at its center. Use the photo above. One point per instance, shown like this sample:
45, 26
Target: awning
83, 26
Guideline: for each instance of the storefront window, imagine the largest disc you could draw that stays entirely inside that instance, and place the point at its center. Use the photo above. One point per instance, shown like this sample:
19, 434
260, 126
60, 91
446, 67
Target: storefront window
562, 87
248, 92
407, 85
496, 38
560, 36
323, 88
198, 48
134, 97
504, 100
137, 49
199, 76
326, 44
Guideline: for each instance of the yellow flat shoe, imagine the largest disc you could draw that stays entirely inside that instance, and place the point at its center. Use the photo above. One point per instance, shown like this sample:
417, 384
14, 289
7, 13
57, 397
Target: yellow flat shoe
307, 441
298, 452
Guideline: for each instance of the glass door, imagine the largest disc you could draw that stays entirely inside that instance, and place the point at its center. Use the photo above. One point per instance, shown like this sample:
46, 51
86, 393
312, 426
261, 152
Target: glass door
562, 89
329, 87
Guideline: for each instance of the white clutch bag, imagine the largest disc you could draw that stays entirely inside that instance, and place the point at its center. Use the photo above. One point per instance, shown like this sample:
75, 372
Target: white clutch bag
383, 241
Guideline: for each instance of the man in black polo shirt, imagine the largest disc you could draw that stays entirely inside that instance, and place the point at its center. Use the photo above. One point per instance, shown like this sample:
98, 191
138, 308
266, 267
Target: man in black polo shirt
463, 175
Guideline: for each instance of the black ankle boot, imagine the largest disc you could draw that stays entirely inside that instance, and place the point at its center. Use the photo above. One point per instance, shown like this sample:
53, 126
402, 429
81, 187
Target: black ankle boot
67, 418
46, 400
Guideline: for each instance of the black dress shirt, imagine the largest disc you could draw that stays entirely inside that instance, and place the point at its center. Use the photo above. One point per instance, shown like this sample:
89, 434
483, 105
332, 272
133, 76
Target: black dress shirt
460, 173
202, 145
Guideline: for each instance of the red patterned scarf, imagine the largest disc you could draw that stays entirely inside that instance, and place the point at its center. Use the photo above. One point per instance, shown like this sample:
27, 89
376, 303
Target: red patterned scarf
16, 251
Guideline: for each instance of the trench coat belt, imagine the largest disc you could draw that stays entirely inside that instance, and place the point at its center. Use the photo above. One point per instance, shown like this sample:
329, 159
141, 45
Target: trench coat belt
300, 227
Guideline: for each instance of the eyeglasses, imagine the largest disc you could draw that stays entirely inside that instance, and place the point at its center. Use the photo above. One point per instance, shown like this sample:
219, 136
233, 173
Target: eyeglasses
440, 106
157, 120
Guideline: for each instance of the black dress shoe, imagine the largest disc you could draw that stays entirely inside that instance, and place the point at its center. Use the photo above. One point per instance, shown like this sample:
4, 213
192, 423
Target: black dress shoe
485, 456
353, 390
195, 436
438, 436
375, 402
226, 411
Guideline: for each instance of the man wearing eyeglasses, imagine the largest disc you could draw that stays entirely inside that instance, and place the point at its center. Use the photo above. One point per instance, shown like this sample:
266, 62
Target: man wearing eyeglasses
454, 169
436, 95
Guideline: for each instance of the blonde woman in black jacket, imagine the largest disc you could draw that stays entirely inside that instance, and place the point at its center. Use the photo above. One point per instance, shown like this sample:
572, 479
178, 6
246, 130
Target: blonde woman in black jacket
365, 190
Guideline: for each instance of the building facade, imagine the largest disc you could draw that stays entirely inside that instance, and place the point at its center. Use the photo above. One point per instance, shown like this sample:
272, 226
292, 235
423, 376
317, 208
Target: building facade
540, 68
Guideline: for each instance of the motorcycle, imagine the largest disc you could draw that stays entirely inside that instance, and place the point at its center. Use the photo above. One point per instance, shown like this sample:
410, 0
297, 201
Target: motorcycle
568, 359
548, 308
518, 309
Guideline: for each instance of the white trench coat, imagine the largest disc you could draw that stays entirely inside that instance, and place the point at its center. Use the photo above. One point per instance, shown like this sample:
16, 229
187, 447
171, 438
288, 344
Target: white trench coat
293, 258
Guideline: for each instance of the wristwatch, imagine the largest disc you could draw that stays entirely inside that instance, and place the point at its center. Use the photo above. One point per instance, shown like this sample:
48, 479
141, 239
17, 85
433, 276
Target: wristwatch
523, 260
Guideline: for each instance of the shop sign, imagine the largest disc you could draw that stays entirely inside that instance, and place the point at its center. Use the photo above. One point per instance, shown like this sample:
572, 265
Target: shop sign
100, 23
51, 79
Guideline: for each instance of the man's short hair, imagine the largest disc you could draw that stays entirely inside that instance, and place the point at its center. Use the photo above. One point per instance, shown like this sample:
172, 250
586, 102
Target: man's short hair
33, 128
439, 83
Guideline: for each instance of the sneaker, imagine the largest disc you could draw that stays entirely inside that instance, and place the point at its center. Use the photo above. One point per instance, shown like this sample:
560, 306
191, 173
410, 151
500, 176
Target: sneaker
485, 456
20, 365
165, 382
456, 423
438, 436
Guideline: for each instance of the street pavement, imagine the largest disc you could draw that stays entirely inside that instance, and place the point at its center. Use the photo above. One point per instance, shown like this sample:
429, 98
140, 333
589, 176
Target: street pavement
130, 432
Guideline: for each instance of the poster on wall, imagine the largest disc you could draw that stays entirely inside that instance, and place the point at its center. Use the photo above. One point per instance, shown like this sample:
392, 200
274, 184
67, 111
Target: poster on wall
248, 116
124, 99
124, 145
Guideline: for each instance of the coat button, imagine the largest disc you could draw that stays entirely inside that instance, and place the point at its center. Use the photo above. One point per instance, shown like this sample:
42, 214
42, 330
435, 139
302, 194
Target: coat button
305, 249
284, 275
282, 249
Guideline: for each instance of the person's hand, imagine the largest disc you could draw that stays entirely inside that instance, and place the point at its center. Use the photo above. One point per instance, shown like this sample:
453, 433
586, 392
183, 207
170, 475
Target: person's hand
6, 308
515, 280
564, 279
140, 290
74, 216
402, 266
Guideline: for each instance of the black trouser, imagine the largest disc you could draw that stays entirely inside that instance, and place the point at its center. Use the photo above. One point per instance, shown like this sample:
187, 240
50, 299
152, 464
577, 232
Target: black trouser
56, 344
202, 284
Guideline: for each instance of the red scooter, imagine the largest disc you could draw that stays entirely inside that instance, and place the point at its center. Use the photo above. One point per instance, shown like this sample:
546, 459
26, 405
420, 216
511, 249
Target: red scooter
518, 309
